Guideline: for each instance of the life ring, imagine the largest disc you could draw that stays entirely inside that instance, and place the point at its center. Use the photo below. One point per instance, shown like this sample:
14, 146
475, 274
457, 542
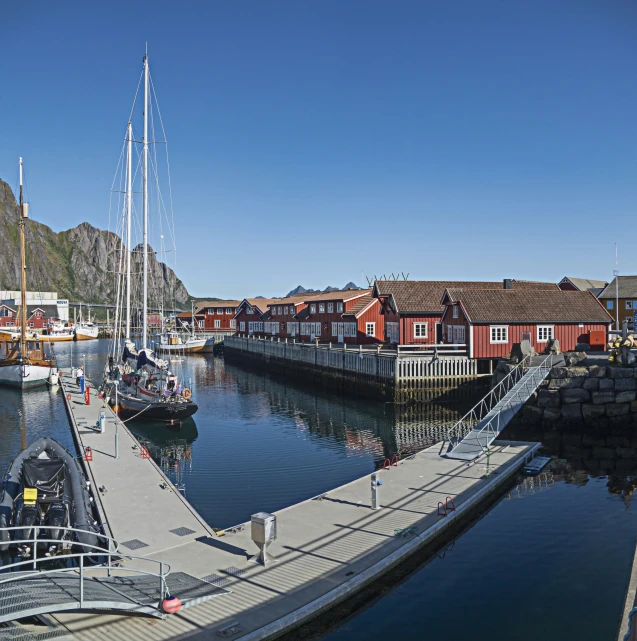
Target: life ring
187, 394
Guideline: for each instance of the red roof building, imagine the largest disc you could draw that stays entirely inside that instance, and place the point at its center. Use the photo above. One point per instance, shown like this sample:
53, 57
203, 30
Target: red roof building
491, 321
249, 316
412, 309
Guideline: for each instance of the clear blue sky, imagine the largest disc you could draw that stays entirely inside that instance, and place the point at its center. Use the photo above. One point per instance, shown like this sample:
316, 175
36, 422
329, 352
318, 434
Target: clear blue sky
312, 141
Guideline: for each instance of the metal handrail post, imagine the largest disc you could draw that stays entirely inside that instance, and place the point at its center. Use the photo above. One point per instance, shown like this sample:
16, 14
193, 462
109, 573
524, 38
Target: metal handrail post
162, 583
82, 581
35, 546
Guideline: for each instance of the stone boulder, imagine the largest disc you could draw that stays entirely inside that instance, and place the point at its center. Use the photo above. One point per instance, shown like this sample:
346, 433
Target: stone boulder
574, 358
582, 347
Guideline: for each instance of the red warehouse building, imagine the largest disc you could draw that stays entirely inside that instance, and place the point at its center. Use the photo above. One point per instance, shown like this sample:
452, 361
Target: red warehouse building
351, 316
211, 316
491, 321
249, 316
37, 317
282, 319
412, 309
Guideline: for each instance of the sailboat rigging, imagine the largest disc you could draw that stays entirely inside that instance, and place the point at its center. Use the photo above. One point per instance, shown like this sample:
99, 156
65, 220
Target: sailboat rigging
140, 384
23, 362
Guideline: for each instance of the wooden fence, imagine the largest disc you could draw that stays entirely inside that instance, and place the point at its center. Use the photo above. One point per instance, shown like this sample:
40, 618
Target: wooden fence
399, 370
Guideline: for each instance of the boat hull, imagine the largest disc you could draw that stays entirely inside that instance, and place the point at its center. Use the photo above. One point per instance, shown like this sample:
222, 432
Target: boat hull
24, 376
85, 335
164, 412
55, 339
184, 348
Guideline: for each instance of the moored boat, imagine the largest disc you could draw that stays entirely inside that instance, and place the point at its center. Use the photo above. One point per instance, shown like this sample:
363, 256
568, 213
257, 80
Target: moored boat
23, 362
173, 343
45, 486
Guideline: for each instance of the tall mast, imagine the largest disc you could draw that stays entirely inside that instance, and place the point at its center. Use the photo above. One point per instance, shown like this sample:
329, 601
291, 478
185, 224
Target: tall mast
129, 213
24, 213
145, 204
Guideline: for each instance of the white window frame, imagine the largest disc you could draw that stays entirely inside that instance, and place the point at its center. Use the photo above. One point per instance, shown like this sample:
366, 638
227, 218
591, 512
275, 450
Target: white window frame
219, 310
418, 333
312, 309
629, 304
339, 308
200, 324
455, 311
543, 331
371, 333
334, 329
217, 324
249, 310
285, 310
242, 326
330, 308
228, 310
233, 324
321, 308
502, 331
349, 330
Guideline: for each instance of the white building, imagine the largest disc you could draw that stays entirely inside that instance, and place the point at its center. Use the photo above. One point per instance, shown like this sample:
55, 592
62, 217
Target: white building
38, 298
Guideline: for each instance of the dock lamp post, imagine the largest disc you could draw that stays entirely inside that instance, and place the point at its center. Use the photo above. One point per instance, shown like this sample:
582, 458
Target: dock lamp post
376, 482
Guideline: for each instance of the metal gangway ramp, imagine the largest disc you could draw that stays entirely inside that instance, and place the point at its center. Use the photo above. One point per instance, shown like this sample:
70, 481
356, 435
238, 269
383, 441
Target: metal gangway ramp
98, 578
478, 428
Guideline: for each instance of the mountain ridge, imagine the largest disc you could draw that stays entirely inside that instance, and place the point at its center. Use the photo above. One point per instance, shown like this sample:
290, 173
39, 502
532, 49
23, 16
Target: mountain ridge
76, 263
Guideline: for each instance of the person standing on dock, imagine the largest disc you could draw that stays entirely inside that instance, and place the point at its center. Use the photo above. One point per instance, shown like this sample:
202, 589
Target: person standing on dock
80, 379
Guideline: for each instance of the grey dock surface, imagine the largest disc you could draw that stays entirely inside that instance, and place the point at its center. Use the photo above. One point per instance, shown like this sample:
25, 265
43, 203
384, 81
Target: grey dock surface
326, 548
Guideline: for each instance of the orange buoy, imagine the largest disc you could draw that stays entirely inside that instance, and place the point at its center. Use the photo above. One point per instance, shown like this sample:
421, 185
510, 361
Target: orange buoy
68, 397
187, 394
171, 604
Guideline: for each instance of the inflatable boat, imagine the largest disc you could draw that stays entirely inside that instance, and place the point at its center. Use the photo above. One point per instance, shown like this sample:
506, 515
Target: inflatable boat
45, 486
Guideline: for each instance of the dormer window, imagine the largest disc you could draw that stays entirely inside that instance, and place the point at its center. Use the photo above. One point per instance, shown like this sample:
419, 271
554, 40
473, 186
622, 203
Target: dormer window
312, 309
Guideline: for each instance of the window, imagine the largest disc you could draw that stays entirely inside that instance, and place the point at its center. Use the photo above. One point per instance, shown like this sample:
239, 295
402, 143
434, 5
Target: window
30, 324
217, 324
219, 310
349, 330
499, 333
609, 304
285, 309
233, 324
242, 326
455, 311
544, 333
312, 309
629, 304
279, 309
339, 307
370, 329
330, 308
334, 329
249, 310
200, 324
321, 308
228, 310
420, 330
317, 329
273, 310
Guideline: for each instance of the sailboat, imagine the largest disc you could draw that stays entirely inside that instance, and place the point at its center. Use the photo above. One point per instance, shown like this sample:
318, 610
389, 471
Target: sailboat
23, 362
140, 385
86, 330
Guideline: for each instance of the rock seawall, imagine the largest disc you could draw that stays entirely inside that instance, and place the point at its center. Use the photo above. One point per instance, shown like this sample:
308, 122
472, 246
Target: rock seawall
596, 395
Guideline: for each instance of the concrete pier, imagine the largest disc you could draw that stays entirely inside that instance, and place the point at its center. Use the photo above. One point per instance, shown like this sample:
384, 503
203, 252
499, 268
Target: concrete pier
327, 548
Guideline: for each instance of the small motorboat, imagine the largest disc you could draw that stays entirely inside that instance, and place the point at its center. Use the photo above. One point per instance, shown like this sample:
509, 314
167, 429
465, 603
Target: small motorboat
45, 486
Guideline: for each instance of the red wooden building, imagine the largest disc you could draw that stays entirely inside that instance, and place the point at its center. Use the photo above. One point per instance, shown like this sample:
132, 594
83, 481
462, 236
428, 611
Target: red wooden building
211, 316
412, 309
490, 321
37, 317
281, 319
249, 316
351, 316
570, 283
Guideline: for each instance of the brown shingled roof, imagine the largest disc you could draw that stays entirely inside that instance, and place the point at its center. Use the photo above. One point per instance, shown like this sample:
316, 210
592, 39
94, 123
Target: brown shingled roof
344, 295
424, 296
359, 306
529, 306
205, 304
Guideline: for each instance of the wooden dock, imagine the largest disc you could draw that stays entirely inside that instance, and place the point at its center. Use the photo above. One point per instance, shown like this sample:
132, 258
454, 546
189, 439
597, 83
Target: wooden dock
327, 548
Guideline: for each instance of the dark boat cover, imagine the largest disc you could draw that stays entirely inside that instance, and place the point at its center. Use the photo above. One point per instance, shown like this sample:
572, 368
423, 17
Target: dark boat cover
47, 475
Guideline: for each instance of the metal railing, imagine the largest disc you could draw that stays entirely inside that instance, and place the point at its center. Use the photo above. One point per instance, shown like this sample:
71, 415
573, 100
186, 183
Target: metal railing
110, 555
492, 428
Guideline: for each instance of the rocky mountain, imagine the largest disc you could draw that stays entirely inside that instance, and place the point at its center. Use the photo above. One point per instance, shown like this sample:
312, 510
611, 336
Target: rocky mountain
78, 263
299, 289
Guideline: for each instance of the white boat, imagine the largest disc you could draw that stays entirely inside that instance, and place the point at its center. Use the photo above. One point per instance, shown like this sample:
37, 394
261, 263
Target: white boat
58, 333
173, 343
86, 330
23, 363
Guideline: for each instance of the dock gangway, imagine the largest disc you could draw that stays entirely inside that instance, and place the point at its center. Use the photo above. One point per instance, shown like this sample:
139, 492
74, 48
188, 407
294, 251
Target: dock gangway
99, 577
472, 435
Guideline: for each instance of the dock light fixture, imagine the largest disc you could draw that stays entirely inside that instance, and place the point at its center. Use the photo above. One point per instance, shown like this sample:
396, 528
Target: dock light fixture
376, 483
263, 531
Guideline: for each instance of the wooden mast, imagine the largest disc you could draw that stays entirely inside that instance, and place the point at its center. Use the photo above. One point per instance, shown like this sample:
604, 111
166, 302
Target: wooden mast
24, 214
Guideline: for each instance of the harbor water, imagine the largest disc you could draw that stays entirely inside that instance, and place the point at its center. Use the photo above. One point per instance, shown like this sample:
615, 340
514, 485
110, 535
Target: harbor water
549, 560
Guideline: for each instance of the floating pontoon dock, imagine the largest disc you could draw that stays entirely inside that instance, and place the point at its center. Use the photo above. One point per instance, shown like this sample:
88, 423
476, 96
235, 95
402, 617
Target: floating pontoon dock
327, 548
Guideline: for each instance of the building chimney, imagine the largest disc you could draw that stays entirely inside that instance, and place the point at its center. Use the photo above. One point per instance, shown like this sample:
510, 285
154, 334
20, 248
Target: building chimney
507, 283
